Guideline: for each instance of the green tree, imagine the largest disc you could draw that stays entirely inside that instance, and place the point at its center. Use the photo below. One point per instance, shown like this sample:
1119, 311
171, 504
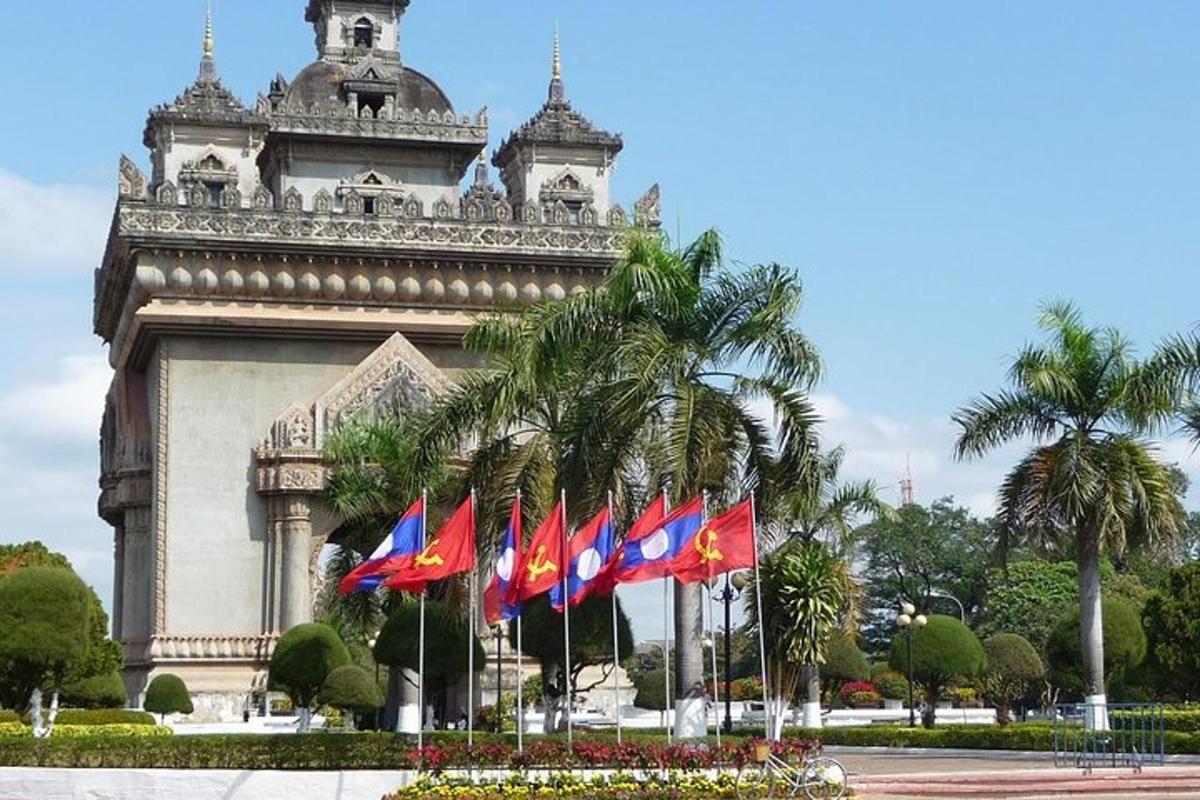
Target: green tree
1012, 667
918, 554
1172, 624
943, 650
1019, 594
446, 639
591, 645
844, 661
806, 591
1124, 647
97, 691
1091, 479
651, 690
45, 622
350, 688
167, 694
303, 659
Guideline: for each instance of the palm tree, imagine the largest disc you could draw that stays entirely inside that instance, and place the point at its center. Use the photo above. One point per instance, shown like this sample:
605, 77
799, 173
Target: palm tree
822, 509
807, 595
1091, 481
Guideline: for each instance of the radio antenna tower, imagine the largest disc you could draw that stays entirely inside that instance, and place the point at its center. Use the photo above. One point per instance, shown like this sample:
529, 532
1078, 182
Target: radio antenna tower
906, 484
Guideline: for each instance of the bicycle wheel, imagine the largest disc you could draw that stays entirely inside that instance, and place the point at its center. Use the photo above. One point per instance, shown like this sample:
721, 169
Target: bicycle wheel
825, 779
759, 782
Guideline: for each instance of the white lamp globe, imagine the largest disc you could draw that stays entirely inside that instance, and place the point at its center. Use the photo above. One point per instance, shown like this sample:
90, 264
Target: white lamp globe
920, 620
904, 620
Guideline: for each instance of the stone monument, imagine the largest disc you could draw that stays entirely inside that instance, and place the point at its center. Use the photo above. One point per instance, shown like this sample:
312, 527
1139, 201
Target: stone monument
280, 270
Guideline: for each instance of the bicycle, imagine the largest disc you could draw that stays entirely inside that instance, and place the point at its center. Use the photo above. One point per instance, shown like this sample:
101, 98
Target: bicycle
768, 776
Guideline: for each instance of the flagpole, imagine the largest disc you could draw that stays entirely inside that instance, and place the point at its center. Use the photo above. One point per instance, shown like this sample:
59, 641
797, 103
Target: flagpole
471, 640
566, 569
421, 640
520, 547
616, 640
712, 634
762, 641
668, 695
520, 690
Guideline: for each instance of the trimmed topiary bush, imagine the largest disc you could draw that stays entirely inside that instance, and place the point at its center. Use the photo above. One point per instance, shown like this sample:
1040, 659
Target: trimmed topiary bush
844, 661
302, 660
45, 624
1012, 665
167, 694
351, 688
98, 691
1124, 647
943, 650
446, 640
104, 716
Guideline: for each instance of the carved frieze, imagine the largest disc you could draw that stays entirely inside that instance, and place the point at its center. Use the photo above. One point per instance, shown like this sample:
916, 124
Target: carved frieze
256, 649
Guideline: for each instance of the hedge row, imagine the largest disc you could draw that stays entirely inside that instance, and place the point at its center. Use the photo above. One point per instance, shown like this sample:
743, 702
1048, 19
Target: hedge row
1028, 736
20, 730
1174, 719
370, 751
94, 716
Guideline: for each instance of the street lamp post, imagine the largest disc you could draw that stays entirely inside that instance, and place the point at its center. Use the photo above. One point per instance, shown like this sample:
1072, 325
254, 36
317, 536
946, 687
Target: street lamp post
371, 644
733, 589
909, 619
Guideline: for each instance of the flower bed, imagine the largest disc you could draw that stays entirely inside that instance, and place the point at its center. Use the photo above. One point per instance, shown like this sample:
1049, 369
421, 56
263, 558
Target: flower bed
374, 751
618, 787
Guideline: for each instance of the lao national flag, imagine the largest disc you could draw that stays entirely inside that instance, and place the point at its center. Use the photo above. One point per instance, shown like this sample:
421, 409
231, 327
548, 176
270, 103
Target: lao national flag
543, 563
724, 544
650, 556
450, 552
395, 551
495, 598
591, 552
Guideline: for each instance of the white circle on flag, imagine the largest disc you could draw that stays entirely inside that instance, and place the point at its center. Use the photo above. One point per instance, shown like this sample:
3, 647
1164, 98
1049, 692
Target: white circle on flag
504, 565
655, 545
589, 564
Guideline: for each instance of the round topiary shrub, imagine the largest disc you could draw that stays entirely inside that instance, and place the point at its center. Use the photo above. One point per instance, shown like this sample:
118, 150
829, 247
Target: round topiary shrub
651, 690
303, 659
45, 627
97, 691
351, 688
844, 661
446, 637
1012, 665
1124, 647
167, 694
942, 650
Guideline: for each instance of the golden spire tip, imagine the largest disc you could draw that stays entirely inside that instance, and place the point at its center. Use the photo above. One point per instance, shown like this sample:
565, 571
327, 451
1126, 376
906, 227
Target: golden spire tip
557, 63
208, 32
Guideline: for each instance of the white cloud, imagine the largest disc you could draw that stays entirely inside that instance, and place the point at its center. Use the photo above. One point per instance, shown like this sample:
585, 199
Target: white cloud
51, 227
67, 407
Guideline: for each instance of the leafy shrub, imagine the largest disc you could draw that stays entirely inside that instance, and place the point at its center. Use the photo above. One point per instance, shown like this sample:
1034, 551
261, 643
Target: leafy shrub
747, 689
1124, 646
446, 657
864, 699
891, 685
104, 716
167, 694
852, 687
45, 623
351, 688
651, 690
1169, 619
1012, 666
942, 650
303, 659
844, 661
18, 729
531, 690
485, 716
98, 691
9, 716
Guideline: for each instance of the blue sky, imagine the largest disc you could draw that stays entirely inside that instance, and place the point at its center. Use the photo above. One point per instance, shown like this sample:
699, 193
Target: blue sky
933, 169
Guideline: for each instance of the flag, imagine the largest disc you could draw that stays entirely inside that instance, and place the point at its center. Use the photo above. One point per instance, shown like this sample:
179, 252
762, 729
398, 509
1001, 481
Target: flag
395, 551
542, 564
591, 551
496, 607
724, 544
450, 552
650, 555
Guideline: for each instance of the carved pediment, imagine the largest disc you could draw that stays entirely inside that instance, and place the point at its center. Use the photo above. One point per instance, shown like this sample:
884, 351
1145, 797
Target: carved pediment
131, 182
393, 380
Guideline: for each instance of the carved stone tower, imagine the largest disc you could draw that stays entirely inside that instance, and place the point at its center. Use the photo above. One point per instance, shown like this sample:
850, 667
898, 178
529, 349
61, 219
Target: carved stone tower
286, 268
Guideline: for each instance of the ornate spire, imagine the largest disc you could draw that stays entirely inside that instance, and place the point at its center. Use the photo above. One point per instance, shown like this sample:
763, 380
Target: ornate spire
208, 66
558, 92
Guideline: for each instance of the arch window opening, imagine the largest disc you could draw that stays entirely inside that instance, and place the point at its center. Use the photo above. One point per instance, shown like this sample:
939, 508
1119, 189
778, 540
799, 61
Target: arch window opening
364, 34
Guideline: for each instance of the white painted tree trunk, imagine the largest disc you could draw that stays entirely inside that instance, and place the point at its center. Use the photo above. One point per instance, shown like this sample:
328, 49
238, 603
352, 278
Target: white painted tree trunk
305, 720
812, 706
43, 727
690, 713
1091, 631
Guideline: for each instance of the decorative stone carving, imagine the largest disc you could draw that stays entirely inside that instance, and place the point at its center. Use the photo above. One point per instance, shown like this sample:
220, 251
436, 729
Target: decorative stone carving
394, 379
616, 217
293, 201
587, 214
531, 212
263, 199
384, 206
167, 194
414, 208
352, 201
441, 209
131, 182
323, 202
198, 196
231, 198
648, 210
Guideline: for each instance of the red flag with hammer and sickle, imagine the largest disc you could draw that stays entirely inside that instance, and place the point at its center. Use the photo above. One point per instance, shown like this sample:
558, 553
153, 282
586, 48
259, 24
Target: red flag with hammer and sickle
451, 551
542, 563
723, 544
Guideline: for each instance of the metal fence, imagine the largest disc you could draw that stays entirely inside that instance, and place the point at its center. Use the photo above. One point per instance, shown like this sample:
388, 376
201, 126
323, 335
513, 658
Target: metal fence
1112, 735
